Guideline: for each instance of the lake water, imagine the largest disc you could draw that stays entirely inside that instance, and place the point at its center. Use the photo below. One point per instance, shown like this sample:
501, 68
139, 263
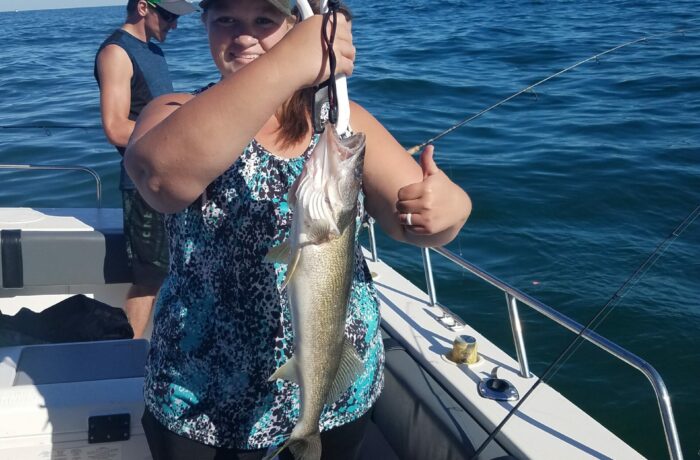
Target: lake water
573, 185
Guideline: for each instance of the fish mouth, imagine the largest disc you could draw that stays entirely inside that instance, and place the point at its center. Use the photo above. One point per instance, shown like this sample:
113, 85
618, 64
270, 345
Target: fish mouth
351, 145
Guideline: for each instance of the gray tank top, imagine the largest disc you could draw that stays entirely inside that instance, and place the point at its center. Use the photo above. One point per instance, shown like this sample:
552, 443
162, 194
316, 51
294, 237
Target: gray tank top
151, 79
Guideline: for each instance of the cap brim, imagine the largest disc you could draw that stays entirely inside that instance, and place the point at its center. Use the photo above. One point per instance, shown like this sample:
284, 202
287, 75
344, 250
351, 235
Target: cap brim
179, 7
284, 6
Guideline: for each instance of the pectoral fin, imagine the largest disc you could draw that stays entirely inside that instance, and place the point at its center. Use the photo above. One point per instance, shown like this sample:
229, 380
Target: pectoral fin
350, 367
279, 254
291, 268
319, 232
282, 254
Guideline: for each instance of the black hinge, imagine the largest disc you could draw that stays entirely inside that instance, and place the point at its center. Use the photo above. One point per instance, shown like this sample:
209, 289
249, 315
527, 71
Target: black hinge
109, 428
11, 254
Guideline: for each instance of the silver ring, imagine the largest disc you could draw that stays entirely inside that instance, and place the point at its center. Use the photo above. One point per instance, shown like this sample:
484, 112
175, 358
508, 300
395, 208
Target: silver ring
408, 219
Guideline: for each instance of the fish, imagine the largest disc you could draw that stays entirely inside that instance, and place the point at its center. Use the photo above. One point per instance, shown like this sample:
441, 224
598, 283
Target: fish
320, 258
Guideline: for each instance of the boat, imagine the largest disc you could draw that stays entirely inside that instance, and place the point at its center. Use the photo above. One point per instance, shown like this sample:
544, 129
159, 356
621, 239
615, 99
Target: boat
84, 399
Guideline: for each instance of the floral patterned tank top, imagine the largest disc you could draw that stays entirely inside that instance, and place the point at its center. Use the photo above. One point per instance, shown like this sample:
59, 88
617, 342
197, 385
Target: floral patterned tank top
222, 323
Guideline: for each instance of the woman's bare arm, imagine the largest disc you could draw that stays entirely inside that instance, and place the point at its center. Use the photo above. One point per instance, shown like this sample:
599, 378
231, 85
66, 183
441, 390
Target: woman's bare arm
180, 145
395, 184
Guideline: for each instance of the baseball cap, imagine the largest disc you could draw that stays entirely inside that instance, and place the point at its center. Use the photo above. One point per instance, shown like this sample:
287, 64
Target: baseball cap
284, 6
178, 7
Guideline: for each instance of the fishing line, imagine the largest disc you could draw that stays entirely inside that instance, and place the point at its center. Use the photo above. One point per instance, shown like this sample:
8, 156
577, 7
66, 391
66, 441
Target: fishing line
47, 128
624, 289
598, 318
415, 149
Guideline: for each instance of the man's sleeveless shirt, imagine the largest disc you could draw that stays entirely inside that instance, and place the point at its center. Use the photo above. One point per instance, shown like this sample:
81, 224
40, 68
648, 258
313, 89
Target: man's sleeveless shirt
150, 79
223, 325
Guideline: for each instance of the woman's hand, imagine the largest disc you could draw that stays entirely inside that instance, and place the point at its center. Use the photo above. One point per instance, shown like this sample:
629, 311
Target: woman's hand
433, 205
396, 185
304, 50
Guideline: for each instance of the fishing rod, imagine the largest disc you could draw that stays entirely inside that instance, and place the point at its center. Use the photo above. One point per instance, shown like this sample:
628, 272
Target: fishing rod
595, 321
417, 148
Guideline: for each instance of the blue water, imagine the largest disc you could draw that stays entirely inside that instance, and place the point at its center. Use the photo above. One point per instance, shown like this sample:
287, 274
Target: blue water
573, 185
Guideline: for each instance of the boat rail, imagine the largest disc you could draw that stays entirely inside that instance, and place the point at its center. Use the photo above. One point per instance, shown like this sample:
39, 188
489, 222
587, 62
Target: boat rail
35, 167
514, 296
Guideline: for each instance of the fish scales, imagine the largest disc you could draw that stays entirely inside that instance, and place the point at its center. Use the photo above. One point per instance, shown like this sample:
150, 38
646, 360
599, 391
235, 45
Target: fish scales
320, 257
319, 329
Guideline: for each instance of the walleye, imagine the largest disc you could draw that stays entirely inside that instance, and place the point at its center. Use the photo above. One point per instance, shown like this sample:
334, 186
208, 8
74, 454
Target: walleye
320, 256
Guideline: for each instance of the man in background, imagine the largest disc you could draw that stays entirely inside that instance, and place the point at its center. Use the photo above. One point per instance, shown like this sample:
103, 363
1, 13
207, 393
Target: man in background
130, 71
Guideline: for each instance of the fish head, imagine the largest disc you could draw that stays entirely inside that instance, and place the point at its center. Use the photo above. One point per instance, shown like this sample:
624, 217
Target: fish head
326, 191
350, 156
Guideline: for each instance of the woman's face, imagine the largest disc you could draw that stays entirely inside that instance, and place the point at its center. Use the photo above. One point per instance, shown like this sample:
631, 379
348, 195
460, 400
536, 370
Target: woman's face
240, 31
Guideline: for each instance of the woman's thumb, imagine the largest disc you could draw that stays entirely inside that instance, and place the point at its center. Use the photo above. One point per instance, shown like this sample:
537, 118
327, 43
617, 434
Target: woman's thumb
427, 162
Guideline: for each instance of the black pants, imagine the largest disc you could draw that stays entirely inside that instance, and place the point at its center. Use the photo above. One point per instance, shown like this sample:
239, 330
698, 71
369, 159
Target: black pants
341, 443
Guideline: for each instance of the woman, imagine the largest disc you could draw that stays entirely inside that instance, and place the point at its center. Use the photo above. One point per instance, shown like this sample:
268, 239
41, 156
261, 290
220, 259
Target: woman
220, 163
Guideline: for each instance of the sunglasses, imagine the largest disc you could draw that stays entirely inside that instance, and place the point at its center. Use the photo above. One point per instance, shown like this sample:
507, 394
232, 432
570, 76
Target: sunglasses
166, 15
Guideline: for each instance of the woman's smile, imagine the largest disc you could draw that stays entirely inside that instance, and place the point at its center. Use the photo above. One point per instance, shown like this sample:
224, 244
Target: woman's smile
244, 58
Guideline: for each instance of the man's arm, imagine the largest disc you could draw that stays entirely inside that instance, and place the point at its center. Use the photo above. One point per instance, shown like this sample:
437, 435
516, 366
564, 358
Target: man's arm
115, 71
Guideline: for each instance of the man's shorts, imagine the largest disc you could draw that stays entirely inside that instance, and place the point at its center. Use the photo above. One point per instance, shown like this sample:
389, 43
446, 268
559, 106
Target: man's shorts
146, 240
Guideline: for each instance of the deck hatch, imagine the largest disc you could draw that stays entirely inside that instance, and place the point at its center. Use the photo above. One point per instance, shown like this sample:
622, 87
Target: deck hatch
109, 428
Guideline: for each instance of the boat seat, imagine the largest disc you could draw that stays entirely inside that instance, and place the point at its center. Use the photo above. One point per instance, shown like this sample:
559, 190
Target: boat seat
59, 256
72, 362
419, 419
73, 400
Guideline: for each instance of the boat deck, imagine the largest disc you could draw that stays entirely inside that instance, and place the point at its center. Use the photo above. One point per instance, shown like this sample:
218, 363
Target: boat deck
430, 407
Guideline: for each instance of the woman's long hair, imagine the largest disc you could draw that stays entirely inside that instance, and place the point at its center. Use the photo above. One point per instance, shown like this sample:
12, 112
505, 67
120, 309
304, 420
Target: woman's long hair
295, 115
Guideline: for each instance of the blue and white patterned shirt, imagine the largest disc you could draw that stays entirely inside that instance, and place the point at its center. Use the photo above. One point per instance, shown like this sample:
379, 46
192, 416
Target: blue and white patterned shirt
222, 323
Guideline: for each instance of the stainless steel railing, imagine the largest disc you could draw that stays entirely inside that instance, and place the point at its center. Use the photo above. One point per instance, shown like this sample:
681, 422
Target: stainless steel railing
92, 172
513, 296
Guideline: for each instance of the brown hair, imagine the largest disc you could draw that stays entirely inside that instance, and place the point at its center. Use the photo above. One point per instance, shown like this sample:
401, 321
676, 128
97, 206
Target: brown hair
131, 6
296, 112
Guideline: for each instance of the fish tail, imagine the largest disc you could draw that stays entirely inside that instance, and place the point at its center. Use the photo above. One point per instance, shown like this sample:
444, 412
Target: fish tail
276, 452
304, 448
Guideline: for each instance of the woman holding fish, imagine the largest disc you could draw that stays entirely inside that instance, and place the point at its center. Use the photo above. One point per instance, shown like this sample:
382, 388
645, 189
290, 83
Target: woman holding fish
266, 330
